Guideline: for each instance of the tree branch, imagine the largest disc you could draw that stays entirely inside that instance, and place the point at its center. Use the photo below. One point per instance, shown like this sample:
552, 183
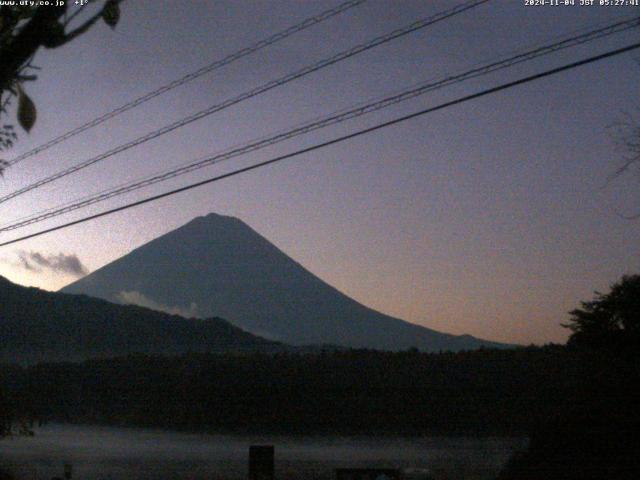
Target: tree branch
88, 24
35, 33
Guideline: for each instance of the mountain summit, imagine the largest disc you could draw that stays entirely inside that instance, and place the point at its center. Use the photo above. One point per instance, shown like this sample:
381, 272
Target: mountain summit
219, 266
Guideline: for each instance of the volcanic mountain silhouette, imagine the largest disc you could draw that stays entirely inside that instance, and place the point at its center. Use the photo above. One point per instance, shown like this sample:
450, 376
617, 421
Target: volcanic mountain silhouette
221, 267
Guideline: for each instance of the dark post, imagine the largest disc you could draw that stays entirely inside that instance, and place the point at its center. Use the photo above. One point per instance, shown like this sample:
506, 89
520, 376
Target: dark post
261, 462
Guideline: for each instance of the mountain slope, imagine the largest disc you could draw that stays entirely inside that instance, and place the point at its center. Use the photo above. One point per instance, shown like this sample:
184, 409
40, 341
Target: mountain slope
227, 269
36, 325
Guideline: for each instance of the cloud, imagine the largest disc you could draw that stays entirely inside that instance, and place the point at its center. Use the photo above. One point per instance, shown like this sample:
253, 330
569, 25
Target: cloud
60, 263
24, 263
137, 298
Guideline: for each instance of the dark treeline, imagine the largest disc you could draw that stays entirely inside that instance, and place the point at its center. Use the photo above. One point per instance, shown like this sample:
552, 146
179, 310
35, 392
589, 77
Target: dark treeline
355, 391
595, 436
36, 326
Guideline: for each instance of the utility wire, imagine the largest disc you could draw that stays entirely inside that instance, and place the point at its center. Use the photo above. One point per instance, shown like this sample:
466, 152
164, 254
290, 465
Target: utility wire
309, 22
343, 138
332, 119
256, 91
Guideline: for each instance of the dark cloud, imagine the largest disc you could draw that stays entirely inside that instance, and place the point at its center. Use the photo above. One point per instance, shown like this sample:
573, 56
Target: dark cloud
24, 263
60, 263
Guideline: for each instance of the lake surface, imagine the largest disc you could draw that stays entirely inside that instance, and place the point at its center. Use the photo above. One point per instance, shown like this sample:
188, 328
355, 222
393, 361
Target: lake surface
109, 453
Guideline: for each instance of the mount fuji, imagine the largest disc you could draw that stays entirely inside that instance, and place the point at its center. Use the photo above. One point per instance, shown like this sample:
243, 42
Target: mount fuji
217, 266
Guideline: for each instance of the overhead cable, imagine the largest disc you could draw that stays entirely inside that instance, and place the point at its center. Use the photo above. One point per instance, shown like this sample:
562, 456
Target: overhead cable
252, 93
334, 141
332, 119
309, 22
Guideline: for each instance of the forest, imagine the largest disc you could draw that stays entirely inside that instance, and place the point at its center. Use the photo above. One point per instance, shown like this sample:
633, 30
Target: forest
576, 402
355, 391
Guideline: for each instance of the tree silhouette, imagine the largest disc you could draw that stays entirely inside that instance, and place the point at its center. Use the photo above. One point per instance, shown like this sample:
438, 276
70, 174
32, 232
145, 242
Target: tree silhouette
592, 433
24, 30
610, 320
626, 135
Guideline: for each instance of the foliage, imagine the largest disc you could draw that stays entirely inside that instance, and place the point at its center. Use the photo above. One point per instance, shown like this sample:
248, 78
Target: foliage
592, 436
626, 135
611, 320
24, 29
350, 391
576, 403
36, 325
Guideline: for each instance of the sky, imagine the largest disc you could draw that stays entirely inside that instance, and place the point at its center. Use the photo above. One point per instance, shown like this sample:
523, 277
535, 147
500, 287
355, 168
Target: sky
493, 218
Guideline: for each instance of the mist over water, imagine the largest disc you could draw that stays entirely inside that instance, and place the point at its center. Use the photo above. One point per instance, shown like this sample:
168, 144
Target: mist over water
109, 453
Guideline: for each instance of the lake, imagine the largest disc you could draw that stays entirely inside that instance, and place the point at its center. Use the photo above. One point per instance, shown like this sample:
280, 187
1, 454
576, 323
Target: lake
110, 453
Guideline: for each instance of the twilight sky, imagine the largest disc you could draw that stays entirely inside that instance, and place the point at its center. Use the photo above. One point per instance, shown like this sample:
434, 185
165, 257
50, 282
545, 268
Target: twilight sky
492, 218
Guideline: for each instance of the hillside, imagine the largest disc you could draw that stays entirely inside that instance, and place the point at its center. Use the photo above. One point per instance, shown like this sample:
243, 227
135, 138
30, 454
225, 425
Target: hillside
36, 325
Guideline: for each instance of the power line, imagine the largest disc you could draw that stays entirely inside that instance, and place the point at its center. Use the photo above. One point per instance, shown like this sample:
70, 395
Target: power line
254, 92
309, 22
332, 119
343, 138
